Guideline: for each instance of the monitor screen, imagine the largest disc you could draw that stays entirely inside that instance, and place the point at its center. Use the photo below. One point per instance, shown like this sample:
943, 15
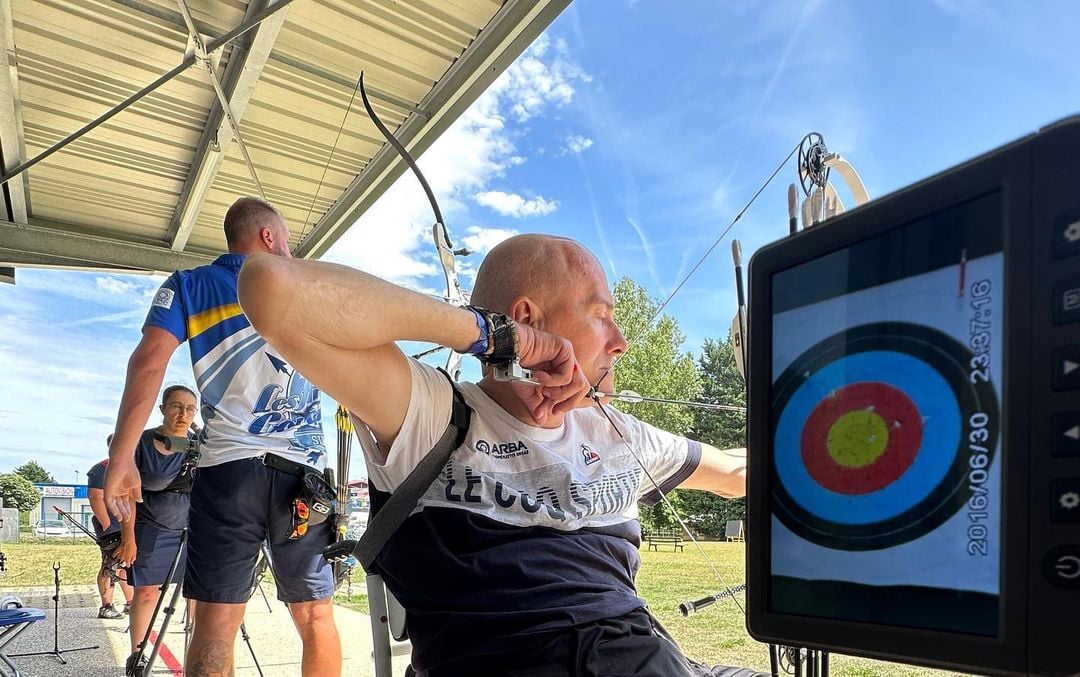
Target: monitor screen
885, 422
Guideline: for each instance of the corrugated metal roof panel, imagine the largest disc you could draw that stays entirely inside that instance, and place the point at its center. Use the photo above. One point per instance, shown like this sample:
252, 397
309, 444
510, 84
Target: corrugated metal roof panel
155, 173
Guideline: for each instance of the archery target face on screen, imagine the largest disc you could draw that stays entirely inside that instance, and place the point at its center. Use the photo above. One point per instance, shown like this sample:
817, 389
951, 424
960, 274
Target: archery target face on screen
870, 440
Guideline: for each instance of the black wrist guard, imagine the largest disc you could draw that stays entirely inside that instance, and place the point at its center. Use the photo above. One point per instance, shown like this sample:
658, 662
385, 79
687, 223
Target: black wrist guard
502, 338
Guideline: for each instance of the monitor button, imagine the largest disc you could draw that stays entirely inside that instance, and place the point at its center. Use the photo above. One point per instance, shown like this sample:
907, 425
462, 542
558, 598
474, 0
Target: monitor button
1066, 433
1067, 301
1065, 500
1061, 566
1067, 368
1067, 234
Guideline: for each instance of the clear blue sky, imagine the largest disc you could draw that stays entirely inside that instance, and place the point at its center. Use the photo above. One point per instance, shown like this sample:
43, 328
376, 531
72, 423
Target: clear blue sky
639, 128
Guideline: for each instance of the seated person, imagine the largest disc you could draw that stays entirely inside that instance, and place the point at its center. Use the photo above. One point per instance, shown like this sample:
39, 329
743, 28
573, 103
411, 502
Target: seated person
111, 572
150, 541
521, 556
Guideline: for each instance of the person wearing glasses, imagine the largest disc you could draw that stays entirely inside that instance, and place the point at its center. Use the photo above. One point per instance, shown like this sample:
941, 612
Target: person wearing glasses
150, 541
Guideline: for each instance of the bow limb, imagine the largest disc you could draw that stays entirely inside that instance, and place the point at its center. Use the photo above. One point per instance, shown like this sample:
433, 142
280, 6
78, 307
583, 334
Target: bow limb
443, 247
454, 292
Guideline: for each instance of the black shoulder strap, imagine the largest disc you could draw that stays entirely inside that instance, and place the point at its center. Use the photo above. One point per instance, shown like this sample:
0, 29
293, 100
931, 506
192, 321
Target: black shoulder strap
402, 502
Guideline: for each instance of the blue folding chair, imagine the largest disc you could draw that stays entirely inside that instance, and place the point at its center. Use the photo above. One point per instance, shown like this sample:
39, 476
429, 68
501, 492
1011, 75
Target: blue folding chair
14, 622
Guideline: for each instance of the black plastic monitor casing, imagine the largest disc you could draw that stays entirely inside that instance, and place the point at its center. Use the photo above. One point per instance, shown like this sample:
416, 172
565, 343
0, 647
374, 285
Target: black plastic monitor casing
1039, 179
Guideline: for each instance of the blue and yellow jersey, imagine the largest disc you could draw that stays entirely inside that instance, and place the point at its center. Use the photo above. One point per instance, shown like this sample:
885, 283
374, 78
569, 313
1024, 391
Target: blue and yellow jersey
252, 400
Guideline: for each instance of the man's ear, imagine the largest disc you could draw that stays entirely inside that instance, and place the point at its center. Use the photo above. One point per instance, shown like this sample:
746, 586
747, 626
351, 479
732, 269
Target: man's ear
527, 311
266, 237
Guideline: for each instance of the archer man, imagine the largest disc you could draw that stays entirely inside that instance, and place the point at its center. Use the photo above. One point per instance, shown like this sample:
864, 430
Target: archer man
520, 558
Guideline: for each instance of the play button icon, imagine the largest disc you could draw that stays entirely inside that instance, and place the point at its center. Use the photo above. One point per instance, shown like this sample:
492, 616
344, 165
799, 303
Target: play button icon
1067, 368
1066, 433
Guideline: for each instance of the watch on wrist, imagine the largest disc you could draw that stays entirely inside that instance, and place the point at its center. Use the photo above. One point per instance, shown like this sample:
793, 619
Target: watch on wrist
501, 345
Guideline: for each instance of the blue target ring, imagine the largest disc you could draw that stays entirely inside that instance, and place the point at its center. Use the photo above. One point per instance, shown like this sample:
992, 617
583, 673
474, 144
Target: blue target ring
936, 403
931, 369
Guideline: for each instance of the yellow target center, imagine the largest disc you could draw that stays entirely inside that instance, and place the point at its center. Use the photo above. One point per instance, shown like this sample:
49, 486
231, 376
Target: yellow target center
858, 438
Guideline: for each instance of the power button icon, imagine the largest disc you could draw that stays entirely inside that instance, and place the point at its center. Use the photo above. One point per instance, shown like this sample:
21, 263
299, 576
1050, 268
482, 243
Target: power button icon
1061, 566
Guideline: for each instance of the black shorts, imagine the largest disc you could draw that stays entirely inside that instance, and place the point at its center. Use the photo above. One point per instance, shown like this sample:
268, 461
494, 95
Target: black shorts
631, 645
235, 507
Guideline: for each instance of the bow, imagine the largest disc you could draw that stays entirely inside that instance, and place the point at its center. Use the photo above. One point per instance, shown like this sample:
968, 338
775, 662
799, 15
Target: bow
443, 247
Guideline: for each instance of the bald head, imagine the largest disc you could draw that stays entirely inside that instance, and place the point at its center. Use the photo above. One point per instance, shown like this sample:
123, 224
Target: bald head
536, 266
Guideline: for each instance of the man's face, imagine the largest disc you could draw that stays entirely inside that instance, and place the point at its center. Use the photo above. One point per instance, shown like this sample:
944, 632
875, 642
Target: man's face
281, 240
583, 313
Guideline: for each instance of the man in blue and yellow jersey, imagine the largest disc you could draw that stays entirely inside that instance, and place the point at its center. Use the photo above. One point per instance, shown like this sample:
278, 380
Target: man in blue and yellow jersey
261, 445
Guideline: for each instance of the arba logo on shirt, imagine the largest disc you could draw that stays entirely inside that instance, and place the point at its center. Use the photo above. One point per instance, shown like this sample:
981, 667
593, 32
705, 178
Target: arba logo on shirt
502, 449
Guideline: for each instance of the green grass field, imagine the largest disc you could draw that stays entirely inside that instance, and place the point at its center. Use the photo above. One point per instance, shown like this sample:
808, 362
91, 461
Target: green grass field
30, 563
715, 635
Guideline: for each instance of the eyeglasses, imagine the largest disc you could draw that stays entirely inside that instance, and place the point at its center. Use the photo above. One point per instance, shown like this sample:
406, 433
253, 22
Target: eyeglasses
180, 408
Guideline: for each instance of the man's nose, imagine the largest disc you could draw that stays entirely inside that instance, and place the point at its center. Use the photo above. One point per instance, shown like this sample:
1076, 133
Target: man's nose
617, 342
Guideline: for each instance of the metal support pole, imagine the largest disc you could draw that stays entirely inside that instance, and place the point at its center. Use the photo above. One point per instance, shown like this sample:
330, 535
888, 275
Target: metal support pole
203, 56
149, 89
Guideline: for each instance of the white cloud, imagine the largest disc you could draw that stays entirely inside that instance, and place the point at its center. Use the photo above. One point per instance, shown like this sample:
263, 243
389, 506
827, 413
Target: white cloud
482, 240
114, 285
544, 74
512, 204
575, 144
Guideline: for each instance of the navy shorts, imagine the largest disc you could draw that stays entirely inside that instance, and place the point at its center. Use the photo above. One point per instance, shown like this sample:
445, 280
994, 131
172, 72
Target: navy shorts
157, 549
235, 507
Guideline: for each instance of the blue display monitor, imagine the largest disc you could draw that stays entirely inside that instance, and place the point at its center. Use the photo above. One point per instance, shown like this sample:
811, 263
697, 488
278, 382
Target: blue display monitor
914, 489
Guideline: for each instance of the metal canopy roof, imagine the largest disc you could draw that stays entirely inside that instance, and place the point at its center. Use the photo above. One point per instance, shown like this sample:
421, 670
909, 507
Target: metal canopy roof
146, 188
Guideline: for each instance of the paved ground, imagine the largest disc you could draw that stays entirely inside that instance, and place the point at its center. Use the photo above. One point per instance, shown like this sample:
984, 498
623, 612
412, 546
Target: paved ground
273, 640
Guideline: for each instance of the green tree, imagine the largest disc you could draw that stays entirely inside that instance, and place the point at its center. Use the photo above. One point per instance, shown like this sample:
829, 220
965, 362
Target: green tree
655, 366
33, 471
721, 384
18, 492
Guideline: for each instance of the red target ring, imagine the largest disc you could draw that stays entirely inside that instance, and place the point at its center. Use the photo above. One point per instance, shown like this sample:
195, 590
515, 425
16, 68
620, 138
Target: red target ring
861, 438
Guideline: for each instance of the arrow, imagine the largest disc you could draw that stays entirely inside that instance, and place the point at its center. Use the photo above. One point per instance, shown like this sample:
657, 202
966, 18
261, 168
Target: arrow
1073, 433
1071, 366
278, 363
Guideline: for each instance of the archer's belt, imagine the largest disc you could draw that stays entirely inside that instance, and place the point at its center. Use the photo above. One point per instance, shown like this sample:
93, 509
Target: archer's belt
285, 465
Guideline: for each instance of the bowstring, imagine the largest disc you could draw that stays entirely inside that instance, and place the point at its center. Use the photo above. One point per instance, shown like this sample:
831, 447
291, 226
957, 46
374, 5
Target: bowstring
596, 387
670, 507
700, 261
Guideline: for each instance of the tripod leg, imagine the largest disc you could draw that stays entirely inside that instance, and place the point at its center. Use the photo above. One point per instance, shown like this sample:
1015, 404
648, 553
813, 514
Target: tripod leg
161, 599
169, 610
56, 652
247, 640
265, 600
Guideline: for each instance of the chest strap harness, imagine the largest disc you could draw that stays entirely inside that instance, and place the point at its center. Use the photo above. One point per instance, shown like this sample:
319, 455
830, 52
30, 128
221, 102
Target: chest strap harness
181, 484
401, 503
